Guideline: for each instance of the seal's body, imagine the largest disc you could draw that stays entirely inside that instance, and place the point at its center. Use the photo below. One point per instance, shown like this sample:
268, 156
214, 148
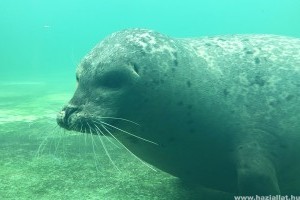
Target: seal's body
223, 111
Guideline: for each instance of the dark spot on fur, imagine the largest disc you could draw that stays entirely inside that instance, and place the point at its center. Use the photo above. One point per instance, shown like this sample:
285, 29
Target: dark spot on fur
296, 84
156, 46
225, 92
144, 40
248, 51
180, 103
289, 97
259, 81
190, 106
176, 62
189, 83
143, 52
175, 54
148, 48
274, 103
256, 60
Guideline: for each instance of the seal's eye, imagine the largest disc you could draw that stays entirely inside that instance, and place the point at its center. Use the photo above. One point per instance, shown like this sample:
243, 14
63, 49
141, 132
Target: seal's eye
114, 79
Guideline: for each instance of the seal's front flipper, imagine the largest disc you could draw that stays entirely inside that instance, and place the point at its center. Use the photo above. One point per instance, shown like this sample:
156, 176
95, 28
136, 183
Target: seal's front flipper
256, 172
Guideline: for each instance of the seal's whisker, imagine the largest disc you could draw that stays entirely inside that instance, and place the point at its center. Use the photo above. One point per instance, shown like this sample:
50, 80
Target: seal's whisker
44, 142
93, 145
146, 164
62, 138
99, 133
81, 127
85, 135
106, 137
42, 146
119, 129
57, 145
122, 119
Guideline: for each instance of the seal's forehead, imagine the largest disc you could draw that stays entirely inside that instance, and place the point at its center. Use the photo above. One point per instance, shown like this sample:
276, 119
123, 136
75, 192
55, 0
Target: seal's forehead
150, 41
145, 40
142, 38
122, 41
127, 43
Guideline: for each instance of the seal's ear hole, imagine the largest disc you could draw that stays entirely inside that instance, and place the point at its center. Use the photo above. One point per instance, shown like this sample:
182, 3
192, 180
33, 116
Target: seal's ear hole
136, 68
114, 79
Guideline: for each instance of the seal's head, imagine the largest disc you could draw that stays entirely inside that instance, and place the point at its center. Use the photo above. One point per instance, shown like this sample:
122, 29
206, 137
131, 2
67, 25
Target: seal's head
137, 86
118, 81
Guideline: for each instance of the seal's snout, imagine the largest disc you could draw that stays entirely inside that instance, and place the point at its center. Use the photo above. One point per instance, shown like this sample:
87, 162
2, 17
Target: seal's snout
63, 117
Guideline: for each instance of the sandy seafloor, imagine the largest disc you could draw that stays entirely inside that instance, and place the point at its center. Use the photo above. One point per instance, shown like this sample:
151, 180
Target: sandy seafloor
39, 160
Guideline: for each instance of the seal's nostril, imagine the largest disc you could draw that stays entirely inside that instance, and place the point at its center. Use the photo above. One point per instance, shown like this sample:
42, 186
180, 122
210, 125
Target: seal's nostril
69, 110
64, 115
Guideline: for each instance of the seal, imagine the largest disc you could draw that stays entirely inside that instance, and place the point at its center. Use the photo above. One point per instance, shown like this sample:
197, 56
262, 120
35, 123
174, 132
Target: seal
221, 112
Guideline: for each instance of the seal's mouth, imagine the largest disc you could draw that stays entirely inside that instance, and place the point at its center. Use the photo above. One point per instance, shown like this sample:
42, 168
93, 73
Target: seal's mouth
74, 119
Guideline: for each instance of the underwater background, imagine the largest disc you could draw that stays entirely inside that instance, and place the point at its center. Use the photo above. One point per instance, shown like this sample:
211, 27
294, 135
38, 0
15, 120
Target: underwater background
42, 42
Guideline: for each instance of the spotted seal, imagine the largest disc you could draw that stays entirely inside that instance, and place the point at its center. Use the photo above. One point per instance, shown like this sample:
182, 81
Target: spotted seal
222, 112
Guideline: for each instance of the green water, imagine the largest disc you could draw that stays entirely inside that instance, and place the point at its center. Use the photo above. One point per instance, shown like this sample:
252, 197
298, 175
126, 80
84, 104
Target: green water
41, 44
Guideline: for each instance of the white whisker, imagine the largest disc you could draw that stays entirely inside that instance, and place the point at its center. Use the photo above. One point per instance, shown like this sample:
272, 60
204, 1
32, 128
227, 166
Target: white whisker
43, 144
85, 135
104, 147
128, 133
118, 118
147, 165
93, 146
107, 137
81, 128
